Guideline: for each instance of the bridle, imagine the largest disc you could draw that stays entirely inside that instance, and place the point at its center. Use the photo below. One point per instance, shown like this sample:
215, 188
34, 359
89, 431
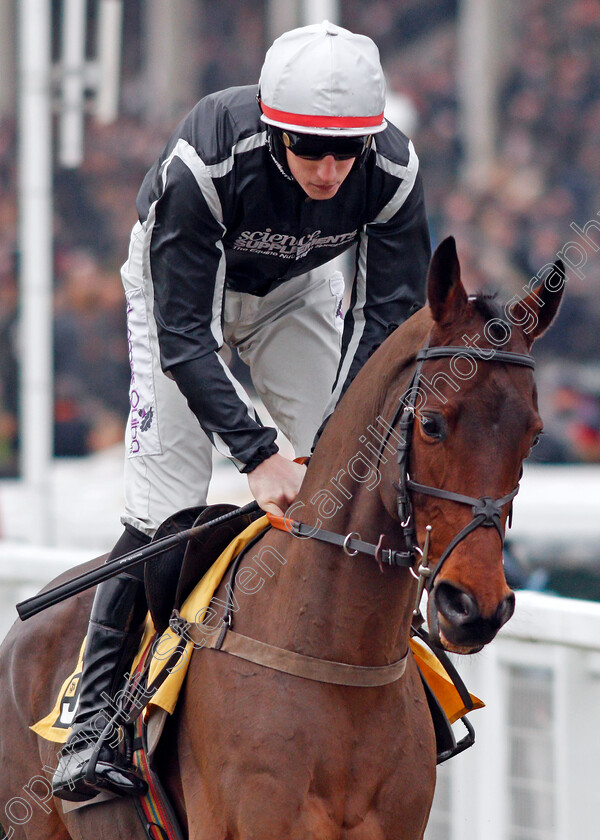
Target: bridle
487, 511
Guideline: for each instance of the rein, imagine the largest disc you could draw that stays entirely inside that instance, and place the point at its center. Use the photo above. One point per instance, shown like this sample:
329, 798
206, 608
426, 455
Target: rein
350, 543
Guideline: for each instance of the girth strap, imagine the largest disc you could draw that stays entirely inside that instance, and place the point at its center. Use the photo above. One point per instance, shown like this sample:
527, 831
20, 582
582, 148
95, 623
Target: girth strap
295, 664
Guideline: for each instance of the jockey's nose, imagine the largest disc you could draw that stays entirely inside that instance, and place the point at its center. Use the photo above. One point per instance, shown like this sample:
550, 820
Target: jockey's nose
327, 169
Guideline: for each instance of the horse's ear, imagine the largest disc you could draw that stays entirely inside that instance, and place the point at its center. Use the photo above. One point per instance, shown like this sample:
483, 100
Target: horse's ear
543, 303
445, 292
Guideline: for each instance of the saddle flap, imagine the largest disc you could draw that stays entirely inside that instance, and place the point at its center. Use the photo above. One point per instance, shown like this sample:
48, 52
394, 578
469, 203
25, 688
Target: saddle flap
202, 551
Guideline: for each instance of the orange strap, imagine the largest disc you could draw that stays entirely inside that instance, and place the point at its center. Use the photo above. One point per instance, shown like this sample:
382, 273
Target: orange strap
279, 522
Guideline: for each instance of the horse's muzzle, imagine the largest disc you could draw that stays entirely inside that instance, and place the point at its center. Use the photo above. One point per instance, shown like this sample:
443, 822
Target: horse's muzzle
454, 616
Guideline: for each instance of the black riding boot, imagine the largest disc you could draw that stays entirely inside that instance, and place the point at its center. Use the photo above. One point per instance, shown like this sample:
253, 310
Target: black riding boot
116, 620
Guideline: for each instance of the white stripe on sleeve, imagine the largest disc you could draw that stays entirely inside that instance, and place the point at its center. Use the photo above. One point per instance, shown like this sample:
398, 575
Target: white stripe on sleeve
358, 315
408, 175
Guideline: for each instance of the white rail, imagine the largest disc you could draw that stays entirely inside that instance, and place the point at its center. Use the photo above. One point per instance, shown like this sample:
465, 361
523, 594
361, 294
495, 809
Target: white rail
25, 569
533, 772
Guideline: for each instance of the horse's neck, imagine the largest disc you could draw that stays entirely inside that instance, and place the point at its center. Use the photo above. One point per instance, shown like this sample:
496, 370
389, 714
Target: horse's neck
354, 609
349, 608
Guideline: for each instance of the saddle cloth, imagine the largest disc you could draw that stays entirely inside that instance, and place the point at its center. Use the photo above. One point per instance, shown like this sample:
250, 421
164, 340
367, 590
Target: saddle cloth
56, 725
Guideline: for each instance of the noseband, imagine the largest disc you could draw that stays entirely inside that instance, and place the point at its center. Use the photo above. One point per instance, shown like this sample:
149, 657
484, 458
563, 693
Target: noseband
486, 511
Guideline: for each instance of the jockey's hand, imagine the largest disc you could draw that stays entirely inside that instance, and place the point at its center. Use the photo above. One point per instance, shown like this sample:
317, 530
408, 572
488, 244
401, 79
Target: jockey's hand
275, 483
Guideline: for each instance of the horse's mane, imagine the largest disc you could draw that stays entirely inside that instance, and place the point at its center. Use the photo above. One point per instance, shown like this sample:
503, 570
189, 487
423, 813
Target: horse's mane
387, 361
399, 349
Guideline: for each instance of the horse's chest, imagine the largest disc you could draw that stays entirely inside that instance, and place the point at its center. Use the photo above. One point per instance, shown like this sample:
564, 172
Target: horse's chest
296, 759
338, 780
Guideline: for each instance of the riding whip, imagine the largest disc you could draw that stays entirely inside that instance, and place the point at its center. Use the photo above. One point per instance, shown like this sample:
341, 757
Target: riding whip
34, 605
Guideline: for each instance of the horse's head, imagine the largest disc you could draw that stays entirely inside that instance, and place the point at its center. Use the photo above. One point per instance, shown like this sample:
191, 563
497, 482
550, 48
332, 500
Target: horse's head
470, 418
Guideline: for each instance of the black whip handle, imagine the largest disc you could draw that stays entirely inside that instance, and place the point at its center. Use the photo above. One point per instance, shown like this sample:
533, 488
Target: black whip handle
34, 605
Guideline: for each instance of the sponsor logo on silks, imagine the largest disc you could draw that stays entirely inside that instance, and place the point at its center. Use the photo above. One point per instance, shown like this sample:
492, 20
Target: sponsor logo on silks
337, 288
147, 414
142, 429
287, 246
141, 420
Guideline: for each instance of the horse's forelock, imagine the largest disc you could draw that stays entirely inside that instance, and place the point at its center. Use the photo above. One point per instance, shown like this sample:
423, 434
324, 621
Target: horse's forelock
491, 307
488, 305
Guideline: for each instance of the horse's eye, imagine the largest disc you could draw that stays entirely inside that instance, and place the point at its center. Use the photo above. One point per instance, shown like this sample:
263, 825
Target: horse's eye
433, 426
534, 442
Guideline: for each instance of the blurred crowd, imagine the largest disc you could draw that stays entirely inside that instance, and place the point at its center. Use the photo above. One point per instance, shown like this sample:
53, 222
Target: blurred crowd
546, 176
94, 210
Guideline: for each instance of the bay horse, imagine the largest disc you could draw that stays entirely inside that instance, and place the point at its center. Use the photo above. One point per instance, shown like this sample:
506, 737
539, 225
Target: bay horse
428, 434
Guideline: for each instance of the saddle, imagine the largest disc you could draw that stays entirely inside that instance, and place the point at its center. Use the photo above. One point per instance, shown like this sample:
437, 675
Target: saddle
170, 577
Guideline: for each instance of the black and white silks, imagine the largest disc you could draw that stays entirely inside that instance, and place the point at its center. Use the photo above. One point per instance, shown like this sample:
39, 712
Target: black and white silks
221, 215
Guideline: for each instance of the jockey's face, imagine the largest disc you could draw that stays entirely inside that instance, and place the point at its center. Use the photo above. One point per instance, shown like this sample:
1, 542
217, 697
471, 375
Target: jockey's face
320, 179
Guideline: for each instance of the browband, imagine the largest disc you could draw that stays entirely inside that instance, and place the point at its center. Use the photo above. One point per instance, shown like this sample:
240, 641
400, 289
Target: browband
497, 355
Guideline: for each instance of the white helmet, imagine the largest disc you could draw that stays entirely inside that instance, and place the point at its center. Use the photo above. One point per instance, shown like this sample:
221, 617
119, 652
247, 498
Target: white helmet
322, 79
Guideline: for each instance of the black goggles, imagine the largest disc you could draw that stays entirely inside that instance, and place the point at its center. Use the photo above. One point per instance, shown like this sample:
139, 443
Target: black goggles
316, 147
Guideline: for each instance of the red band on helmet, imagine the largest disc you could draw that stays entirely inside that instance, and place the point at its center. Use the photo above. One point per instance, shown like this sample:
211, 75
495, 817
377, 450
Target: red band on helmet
319, 121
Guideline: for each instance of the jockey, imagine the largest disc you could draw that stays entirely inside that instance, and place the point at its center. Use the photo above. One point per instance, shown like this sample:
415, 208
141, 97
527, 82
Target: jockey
256, 191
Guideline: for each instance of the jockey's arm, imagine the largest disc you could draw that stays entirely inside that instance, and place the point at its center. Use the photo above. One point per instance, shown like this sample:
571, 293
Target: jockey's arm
185, 256
388, 281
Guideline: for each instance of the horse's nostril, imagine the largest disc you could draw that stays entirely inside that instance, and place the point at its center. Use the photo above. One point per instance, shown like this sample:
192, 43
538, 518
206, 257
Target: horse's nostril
456, 605
462, 603
505, 610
